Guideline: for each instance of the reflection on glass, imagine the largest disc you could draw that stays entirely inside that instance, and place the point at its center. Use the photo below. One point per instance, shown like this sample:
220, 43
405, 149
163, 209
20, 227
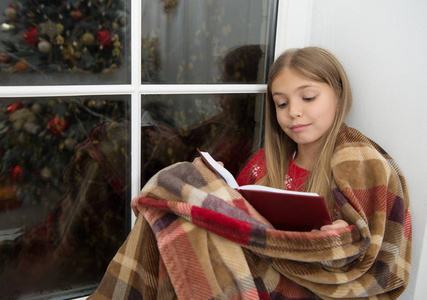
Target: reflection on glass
185, 41
63, 192
227, 126
64, 42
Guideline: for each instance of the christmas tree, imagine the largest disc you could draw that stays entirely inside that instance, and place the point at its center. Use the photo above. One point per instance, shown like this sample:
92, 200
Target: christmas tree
38, 138
63, 36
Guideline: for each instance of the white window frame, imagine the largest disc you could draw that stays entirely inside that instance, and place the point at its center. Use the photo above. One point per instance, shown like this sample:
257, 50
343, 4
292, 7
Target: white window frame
293, 24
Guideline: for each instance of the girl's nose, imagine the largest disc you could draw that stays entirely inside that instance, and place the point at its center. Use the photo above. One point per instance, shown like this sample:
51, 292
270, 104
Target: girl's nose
295, 110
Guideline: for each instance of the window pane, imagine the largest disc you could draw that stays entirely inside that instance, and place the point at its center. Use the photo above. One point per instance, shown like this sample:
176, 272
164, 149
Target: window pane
227, 126
64, 192
64, 42
188, 41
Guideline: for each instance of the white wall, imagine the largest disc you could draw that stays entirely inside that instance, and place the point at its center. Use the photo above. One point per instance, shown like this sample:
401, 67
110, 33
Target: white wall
383, 47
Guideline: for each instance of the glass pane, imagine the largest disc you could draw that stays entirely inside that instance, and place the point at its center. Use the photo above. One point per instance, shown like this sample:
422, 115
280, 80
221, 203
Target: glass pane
64, 42
173, 126
188, 41
64, 192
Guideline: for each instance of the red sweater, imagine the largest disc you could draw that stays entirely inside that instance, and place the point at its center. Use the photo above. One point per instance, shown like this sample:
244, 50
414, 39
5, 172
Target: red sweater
256, 168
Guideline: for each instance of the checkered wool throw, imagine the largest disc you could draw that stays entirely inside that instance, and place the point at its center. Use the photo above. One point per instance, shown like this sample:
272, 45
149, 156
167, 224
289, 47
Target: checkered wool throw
196, 238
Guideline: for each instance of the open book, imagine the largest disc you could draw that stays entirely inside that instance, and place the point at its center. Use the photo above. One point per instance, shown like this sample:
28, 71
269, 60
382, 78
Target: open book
285, 210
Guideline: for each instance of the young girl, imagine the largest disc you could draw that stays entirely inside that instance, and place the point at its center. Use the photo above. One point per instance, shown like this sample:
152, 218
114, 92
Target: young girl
308, 98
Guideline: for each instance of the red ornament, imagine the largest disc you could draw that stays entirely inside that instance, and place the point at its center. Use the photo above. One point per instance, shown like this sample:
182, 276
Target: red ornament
4, 58
76, 14
13, 107
57, 126
104, 38
15, 173
31, 36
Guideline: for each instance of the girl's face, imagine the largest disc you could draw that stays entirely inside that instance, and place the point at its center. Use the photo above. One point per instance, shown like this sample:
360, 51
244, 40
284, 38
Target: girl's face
305, 109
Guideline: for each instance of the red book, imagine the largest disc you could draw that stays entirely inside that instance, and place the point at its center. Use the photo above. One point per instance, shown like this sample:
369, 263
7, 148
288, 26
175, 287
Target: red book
285, 210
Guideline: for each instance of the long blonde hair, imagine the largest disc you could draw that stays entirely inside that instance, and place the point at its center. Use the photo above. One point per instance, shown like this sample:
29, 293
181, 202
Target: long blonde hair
318, 65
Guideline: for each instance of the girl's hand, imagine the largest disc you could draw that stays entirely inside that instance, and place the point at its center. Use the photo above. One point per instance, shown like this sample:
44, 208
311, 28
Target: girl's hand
199, 161
335, 225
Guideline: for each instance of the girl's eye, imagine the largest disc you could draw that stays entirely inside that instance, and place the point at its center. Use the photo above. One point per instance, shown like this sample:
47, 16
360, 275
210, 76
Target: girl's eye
282, 105
308, 99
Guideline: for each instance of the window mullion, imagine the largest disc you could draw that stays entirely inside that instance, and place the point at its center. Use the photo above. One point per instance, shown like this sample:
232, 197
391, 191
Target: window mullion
155, 89
64, 90
136, 23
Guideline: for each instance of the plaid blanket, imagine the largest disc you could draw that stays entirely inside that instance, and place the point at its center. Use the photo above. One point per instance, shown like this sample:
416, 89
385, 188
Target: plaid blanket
196, 238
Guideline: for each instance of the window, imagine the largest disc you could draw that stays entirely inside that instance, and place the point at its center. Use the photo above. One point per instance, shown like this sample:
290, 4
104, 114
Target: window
96, 97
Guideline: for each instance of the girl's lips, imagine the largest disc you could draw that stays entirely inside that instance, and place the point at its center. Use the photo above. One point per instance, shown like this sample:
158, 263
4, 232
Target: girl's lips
297, 128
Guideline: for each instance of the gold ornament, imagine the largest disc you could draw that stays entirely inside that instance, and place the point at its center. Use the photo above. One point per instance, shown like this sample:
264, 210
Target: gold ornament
20, 66
117, 44
51, 29
11, 13
46, 173
68, 54
70, 143
60, 39
88, 39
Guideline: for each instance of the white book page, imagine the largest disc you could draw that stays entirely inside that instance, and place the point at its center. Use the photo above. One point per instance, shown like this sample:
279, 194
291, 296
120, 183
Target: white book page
228, 177
270, 189
223, 172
